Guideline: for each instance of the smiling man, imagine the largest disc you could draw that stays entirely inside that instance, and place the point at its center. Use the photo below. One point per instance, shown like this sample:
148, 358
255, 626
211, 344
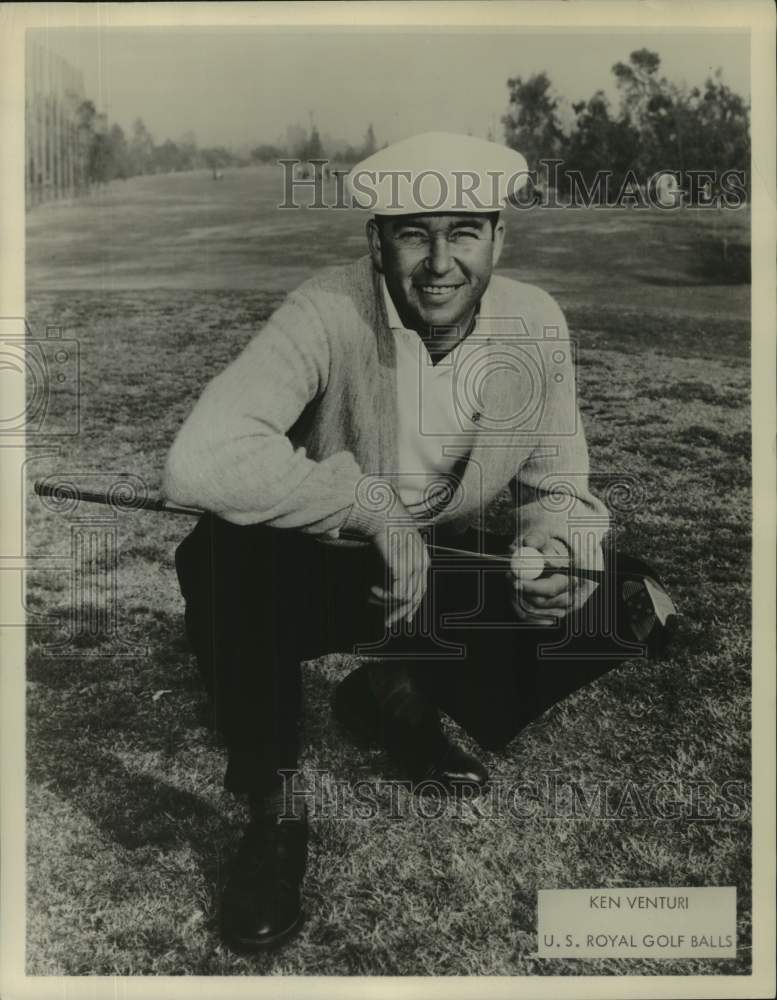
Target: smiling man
384, 411
436, 269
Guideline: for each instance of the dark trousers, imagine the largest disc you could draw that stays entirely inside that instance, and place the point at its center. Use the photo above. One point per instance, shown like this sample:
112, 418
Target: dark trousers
261, 600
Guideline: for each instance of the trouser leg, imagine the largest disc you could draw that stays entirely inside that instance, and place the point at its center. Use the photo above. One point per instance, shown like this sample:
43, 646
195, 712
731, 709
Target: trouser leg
511, 672
258, 601
237, 630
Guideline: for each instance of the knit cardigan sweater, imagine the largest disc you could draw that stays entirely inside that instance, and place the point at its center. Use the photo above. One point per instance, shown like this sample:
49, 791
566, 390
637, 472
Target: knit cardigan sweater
300, 431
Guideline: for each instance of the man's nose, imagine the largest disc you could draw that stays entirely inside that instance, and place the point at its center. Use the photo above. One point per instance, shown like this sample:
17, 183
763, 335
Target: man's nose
439, 260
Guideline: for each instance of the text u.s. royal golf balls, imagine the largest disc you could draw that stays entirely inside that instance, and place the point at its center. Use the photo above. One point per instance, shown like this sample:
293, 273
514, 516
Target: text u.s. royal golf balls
527, 564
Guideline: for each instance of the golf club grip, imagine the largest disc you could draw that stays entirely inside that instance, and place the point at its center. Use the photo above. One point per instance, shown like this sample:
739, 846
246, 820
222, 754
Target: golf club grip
69, 491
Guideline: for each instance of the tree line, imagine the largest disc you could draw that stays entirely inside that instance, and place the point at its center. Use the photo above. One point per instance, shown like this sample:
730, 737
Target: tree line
307, 146
110, 154
656, 126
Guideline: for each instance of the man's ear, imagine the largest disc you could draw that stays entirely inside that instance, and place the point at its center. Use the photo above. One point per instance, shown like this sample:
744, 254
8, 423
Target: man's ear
373, 242
499, 241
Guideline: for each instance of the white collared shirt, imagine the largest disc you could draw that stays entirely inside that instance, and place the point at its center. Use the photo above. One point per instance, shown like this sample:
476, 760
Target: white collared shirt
437, 423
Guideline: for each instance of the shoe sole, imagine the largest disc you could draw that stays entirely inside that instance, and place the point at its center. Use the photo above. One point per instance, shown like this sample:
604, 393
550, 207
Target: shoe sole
250, 946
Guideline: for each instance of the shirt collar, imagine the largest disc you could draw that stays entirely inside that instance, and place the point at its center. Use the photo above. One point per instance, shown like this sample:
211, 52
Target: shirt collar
394, 322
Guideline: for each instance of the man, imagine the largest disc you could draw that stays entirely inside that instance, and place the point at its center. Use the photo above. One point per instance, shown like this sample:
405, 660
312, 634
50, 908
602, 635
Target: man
378, 415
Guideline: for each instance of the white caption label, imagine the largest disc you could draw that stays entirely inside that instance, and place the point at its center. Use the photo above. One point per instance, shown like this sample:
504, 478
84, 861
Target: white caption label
637, 923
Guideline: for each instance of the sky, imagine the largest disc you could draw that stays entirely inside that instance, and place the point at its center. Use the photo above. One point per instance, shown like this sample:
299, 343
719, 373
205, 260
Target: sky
239, 88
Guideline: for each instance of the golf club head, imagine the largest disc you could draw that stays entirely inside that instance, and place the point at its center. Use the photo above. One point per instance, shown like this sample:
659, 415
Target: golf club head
650, 612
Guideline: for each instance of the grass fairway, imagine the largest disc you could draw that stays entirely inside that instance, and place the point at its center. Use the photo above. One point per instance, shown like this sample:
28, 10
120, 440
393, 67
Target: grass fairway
162, 281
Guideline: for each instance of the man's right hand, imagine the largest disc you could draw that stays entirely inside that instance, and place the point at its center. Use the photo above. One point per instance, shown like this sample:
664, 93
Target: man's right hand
405, 560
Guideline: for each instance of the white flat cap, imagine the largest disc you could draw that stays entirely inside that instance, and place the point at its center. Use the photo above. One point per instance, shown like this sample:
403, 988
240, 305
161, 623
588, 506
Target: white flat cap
437, 172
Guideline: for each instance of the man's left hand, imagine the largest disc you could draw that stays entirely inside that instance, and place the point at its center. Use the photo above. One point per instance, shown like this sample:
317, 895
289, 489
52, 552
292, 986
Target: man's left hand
547, 600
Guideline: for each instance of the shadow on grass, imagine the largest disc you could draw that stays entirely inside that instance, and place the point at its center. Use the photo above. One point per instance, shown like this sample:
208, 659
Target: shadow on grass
631, 331
100, 730
119, 741
722, 262
125, 760
708, 262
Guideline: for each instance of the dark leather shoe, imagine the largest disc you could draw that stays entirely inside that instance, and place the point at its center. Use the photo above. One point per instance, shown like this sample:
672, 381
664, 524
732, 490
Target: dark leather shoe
455, 770
261, 902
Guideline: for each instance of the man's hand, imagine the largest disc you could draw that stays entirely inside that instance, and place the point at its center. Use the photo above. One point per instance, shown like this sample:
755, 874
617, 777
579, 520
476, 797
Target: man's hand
406, 562
546, 601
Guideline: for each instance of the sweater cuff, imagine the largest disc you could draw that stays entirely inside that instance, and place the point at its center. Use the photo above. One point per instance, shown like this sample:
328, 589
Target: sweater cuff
362, 523
376, 503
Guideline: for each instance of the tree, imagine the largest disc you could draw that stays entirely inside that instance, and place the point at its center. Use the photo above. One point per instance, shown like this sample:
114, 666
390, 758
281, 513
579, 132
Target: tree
119, 152
296, 140
187, 151
266, 153
86, 115
348, 155
702, 130
102, 151
216, 157
600, 142
370, 143
637, 82
713, 127
531, 123
648, 105
313, 148
657, 127
141, 149
100, 168
167, 157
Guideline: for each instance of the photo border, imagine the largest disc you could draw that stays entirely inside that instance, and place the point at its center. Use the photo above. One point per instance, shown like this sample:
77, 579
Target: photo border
759, 18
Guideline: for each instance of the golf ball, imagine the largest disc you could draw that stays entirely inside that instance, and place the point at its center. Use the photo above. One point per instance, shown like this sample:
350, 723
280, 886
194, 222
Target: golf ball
527, 563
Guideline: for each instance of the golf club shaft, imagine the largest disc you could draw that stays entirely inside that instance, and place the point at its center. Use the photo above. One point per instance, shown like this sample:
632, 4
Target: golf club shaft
69, 491
505, 562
